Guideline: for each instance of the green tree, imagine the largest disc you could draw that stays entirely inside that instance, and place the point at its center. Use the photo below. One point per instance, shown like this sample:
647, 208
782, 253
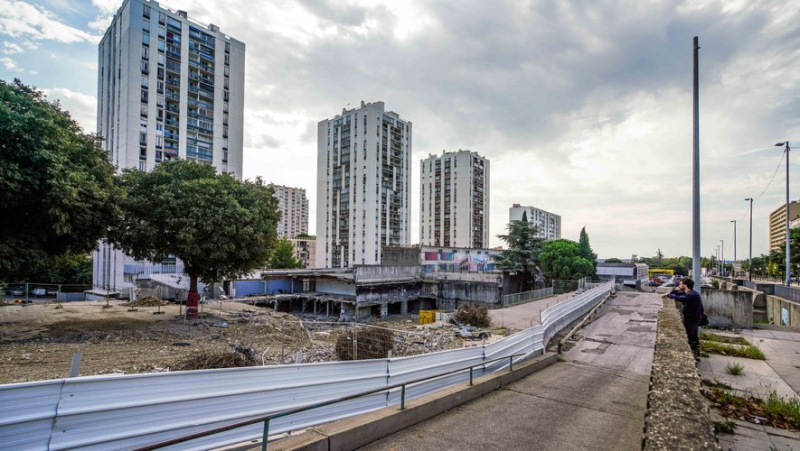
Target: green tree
659, 258
522, 255
584, 248
219, 227
613, 260
68, 268
57, 192
283, 256
561, 260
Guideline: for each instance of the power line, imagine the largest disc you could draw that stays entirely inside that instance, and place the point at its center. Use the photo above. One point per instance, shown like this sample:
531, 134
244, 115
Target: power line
783, 154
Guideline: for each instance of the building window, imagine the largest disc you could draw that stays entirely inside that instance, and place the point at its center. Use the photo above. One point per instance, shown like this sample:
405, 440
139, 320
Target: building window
143, 138
146, 12
144, 96
162, 18
226, 96
146, 37
145, 67
159, 142
145, 53
143, 112
227, 47
227, 71
227, 83
142, 165
145, 81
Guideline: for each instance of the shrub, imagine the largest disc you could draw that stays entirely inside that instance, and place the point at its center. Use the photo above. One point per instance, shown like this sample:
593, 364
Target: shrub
724, 427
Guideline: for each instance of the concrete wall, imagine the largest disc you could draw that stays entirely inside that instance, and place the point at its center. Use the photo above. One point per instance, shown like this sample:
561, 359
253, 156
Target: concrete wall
729, 305
390, 293
781, 312
364, 274
273, 286
332, 286
400, 256
454, 293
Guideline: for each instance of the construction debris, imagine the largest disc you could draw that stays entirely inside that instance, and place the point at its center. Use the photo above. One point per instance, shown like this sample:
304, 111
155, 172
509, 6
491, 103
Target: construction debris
147, 301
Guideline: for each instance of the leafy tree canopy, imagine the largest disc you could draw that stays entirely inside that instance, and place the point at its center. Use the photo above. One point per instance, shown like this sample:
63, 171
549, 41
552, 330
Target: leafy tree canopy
283, 256
561, 260
57, 192
613, 260
220, 227
522, 255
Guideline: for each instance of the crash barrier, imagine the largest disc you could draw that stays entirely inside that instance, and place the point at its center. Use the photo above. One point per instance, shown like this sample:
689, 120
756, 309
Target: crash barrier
129, 411
526, 296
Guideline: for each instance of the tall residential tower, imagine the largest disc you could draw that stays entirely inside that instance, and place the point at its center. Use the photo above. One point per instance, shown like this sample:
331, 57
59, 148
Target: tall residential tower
167, 87
454, 200
363, 175
293, 204
549, 224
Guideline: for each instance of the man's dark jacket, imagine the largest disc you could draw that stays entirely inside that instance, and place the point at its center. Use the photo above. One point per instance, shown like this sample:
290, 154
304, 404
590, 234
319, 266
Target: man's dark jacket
692, 305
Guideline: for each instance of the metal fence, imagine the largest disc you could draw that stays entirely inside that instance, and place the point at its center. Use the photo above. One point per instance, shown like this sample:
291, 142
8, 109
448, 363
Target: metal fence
788, 293
45, 291
526, 296
126, 411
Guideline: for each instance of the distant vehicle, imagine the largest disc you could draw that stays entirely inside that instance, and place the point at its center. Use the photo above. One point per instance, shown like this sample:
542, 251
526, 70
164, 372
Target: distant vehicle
654, 283
666, 288
39, 292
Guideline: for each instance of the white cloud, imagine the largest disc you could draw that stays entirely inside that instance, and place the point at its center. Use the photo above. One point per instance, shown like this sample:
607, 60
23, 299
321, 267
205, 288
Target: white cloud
9, 48
82, 107
101, 23
22, 20
107, 6
10, 64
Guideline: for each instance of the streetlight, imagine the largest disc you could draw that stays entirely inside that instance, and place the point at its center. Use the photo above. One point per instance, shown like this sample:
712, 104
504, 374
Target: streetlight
750, 265
788, 258
722, 256
716, 251
734, 247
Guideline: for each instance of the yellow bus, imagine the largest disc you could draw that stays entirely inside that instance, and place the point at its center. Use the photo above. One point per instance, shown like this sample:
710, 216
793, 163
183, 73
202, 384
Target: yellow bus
655, 272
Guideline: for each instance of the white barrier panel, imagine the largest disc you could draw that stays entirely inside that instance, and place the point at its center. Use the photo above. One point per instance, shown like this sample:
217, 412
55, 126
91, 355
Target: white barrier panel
126, 411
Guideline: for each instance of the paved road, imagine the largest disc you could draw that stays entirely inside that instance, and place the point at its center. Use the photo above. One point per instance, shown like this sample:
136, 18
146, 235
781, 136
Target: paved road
595, 399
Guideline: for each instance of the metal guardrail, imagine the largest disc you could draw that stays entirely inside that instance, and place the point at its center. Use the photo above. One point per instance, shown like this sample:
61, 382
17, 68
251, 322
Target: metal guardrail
131, 411
267, 418
526, 296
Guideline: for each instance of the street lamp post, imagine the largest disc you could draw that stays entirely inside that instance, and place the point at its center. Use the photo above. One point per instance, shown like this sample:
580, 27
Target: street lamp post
734, 247
750, 265
722, 255
788, 258
716, 251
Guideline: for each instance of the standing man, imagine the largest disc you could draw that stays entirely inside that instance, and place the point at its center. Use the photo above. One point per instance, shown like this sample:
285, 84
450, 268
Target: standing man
692, 311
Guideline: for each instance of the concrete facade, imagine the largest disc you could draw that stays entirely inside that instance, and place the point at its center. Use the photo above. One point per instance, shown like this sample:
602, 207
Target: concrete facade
305, 250
549, 223
454, 200
167, 87
730, 305
363, 176
293, 204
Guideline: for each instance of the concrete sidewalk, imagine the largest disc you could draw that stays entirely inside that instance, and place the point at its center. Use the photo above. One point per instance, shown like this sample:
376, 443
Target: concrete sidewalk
780, 372
523, 316
595, 399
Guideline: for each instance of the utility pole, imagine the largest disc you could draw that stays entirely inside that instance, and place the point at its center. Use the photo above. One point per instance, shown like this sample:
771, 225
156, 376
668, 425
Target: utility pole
788, 234
696, 169
734, 246
722, 255
750, 265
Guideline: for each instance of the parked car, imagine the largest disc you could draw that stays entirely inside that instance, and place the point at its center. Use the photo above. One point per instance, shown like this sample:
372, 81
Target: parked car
39, 292
666, 288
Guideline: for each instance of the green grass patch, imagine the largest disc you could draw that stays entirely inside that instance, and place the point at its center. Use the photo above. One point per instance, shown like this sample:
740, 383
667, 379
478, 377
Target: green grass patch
724, 427
709, 336
786, 409
735, 368
748, 352
762, 321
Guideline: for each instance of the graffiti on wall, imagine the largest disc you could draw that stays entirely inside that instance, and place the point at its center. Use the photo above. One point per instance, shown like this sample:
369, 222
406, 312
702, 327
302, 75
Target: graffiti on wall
473, 260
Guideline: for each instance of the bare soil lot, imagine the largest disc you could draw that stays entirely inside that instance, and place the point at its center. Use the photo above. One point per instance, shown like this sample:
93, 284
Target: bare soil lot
37, 341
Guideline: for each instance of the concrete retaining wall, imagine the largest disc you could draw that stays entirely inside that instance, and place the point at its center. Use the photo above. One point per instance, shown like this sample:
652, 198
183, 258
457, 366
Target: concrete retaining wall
677, 416
781, 312
454, 293
730, 305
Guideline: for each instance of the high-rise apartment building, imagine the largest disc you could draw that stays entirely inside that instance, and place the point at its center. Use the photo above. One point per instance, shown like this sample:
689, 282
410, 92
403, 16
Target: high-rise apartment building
549, 224
293, 204
454, 200
777, 225
167, 87
363, 175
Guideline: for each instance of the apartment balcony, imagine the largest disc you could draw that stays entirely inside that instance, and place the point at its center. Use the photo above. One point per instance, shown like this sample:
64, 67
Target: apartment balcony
201, 65
152, 268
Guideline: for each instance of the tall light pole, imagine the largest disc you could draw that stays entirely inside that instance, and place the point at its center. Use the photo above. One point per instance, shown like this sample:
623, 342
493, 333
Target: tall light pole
788, 258
750, 265
734, 247
696, 262
716, 250
722, 255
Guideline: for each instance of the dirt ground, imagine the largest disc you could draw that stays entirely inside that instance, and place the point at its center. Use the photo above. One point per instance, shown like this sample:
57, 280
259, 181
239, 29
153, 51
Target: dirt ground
37, 341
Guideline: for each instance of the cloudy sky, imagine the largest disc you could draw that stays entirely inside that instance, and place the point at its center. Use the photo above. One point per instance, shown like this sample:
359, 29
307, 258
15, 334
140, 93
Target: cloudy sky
583, 108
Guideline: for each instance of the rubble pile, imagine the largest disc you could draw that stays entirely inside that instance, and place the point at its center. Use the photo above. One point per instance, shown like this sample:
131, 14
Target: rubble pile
147, 301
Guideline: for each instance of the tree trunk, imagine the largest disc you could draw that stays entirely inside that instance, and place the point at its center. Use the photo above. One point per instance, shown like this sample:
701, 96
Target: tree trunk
193, 299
